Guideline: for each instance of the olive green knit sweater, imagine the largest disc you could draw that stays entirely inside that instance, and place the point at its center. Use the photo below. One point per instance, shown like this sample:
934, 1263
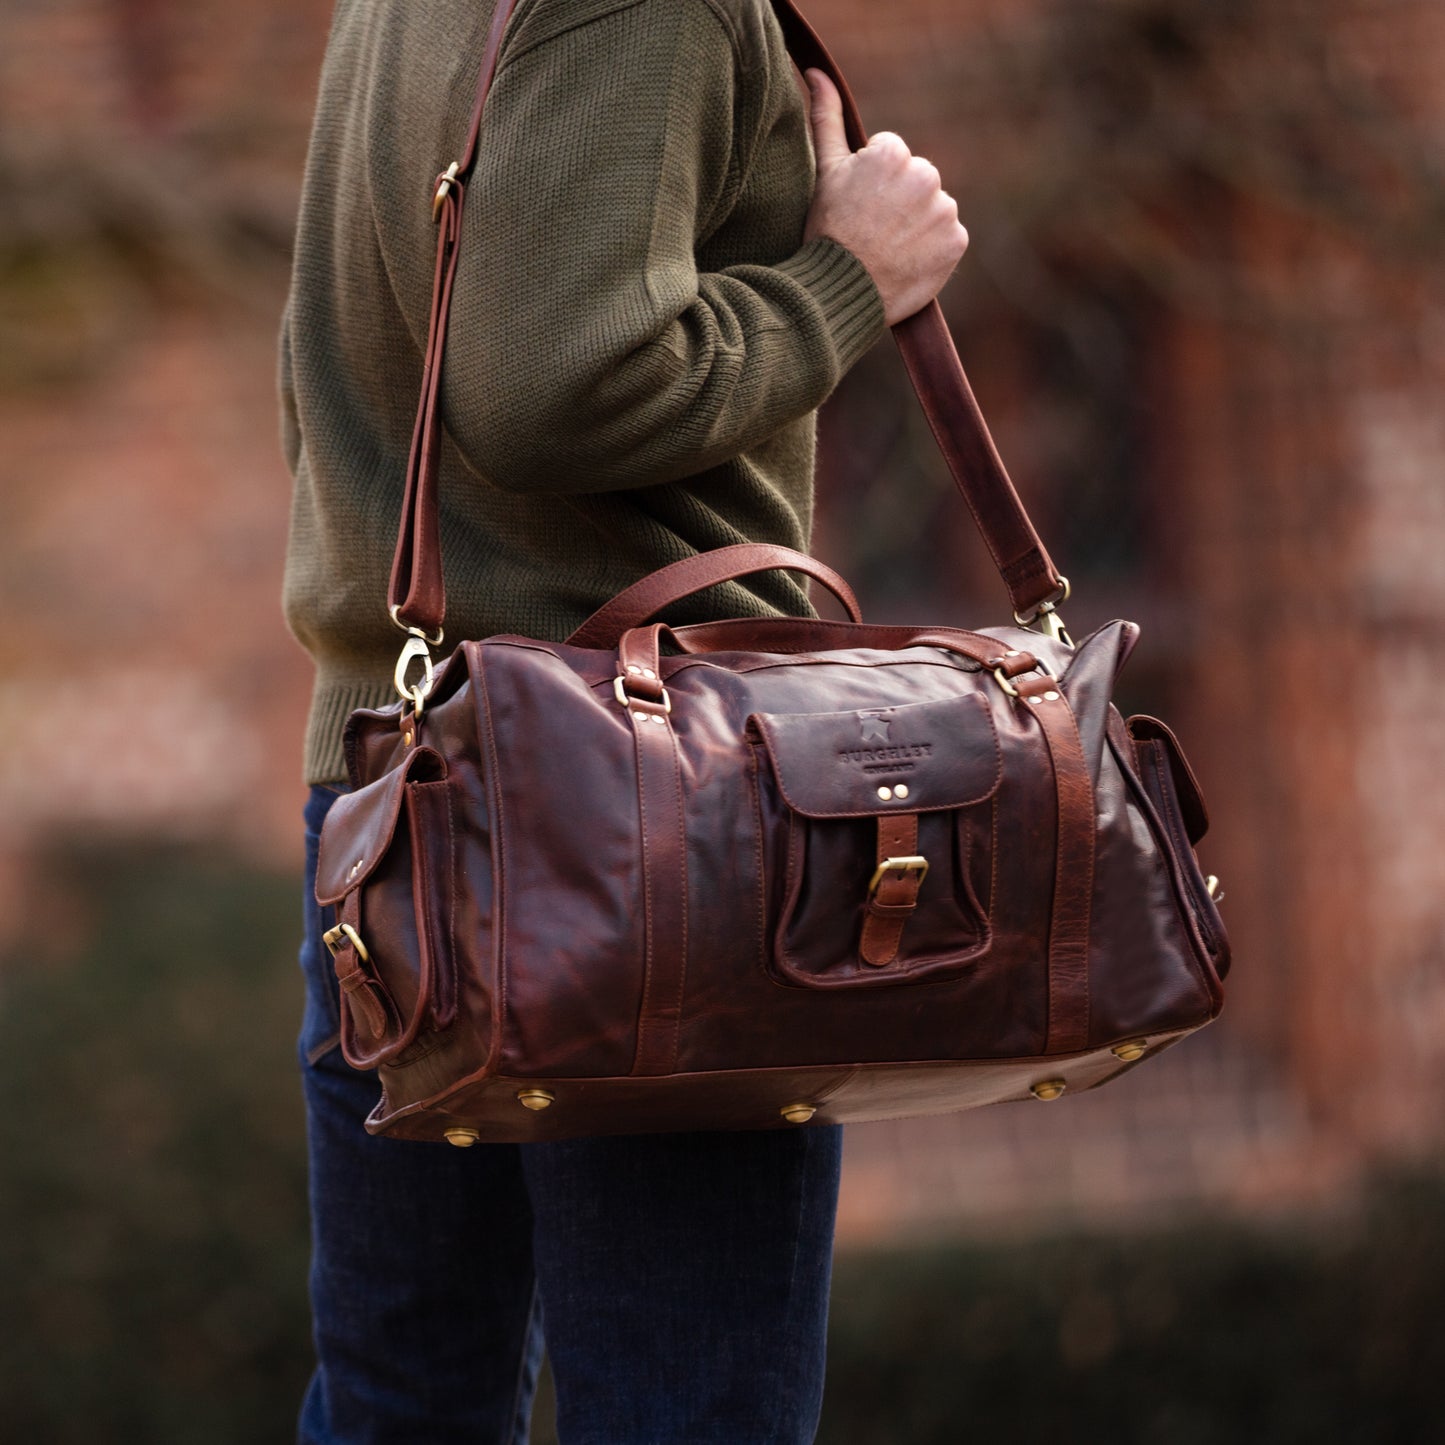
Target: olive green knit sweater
639, 337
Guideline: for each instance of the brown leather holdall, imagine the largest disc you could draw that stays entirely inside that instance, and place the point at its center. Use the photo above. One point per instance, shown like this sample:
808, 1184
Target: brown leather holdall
757, 872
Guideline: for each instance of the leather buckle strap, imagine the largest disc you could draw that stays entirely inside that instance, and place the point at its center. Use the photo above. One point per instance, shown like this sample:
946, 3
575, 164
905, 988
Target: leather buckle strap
893, 890
628, 699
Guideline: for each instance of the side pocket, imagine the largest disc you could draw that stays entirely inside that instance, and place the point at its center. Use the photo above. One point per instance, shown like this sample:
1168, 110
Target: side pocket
1169, 784
393, 947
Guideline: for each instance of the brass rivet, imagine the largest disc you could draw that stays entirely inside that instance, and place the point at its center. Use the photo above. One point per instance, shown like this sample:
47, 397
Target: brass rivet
1051, 696
1130, 1051
633, 668
407, 736
885, 793
1032, 701
462, 1138
535, 1098
798, 1113
658, 718
638, 713
901, 791
648, 672
1047, 1089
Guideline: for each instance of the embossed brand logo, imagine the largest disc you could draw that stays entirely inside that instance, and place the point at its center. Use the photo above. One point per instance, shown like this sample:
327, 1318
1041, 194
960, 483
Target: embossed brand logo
897, 753
874, 727
890, 757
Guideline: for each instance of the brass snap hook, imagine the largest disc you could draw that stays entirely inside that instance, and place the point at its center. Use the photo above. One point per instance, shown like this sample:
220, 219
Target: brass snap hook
415, 647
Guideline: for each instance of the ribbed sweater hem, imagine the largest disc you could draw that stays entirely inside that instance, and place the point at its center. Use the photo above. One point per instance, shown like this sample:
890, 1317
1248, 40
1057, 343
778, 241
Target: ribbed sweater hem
333, 700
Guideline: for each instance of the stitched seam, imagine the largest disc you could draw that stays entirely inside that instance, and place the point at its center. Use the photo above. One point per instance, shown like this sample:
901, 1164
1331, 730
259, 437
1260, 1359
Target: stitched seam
762, 889
682, 868
1093, 864
499, 872
451, 959
522, 14
643, 1029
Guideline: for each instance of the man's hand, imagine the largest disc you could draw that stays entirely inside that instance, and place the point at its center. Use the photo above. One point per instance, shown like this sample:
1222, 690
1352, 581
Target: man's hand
886, 205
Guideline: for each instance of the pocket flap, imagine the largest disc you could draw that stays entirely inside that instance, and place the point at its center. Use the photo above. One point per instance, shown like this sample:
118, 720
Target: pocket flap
928, 755
360, 826
1191, 800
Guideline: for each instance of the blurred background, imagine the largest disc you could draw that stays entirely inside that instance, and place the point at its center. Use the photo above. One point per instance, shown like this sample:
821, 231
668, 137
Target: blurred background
1204, 309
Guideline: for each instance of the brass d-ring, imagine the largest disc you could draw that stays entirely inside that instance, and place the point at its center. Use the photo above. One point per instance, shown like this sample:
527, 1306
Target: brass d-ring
432, 639
445, 182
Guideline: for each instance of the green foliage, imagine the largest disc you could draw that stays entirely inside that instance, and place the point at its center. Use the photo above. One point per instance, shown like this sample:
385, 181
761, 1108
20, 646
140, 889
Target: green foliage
1202, 1335
153, 1221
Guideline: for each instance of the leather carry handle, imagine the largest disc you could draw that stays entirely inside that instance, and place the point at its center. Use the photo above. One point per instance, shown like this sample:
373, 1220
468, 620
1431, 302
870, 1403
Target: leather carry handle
791, 635
417, 594
646, 598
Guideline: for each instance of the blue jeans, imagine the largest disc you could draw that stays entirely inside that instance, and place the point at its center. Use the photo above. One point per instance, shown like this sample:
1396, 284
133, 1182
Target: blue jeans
684, 1277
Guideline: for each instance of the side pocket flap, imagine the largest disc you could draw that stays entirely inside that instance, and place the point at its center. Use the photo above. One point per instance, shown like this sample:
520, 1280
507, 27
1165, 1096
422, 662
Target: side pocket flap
942, 754
1191, 801
360, 826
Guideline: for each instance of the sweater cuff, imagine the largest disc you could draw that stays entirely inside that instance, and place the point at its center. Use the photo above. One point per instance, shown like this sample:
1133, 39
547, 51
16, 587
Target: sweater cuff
846, 294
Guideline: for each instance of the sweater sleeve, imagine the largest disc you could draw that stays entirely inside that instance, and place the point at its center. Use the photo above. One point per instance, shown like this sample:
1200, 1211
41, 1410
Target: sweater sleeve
587, 352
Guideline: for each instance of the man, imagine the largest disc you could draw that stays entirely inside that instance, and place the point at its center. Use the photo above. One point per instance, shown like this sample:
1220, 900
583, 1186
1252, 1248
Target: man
661, 279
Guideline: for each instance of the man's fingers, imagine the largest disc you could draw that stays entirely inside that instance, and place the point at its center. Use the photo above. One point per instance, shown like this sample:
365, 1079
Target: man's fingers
830, 140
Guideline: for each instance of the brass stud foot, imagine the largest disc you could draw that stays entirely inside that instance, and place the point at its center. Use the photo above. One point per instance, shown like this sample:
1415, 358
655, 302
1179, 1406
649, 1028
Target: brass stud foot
1048, 1089
1130, 1051
535, 1098
462, 1138
798, 1113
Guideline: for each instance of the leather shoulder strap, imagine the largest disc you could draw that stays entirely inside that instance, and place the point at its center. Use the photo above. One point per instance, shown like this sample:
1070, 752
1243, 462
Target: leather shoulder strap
417, 595
945, 394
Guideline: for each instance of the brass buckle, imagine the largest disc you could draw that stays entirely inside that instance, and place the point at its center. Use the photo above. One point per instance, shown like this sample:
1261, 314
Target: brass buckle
445, 182
912, 863
625, 699
336, 939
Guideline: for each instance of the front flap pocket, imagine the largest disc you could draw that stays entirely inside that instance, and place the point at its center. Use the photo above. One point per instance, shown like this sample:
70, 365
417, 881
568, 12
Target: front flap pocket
878, 840
927, 755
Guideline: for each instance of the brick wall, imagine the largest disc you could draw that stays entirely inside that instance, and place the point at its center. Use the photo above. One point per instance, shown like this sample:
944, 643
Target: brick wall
1181, 306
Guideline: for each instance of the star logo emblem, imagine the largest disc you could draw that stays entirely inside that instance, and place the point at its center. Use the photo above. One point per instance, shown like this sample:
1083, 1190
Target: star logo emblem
875, 727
